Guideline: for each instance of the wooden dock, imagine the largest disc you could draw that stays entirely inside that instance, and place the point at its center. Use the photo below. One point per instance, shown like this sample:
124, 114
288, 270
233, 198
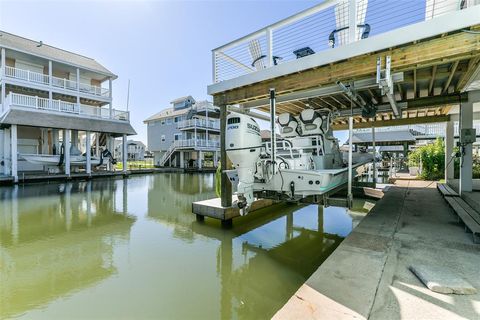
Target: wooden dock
212, 208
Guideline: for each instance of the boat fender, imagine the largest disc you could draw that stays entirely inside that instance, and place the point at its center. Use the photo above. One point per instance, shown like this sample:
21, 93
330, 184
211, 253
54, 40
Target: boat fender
292, 188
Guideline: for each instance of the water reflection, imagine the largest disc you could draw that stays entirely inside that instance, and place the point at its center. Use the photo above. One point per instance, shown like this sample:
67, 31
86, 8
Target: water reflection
132, 248
56, 239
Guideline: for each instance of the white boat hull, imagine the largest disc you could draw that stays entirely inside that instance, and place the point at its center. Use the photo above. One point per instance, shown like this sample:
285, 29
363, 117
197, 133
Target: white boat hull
54, 160
305, 182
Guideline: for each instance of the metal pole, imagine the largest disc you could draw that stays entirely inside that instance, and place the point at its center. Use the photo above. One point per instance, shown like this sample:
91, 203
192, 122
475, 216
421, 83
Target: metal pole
272, 127
226, 186
350, 145
374, 151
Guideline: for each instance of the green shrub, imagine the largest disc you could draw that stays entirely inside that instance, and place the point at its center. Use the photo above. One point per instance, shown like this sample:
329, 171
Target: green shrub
431, 158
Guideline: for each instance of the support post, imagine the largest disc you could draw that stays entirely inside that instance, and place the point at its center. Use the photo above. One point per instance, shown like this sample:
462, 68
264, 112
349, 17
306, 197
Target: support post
466, 160
50, 79
13, 136
352, 21
200, 155
6, 152
66, 142
272, 128
88, 152
44, 140
449, 161
182, 159
97, 144
2, 78
124, 153
374, 152
78, 88
350, 173
226, 186
215, 159
110, 97
269, 37
55, 142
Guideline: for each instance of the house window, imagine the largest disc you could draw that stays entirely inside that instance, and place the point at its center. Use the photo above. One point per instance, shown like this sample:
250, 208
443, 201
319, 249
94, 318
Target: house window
163, 121
177, 119
163, 138
177, 136
169, 120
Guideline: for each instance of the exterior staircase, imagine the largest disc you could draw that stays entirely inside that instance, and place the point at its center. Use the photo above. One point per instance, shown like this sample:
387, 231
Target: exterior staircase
168, 154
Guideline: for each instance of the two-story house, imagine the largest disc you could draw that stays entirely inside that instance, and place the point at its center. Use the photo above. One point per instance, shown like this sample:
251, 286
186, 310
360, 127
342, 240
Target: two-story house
135, 150
186, 135
56, 110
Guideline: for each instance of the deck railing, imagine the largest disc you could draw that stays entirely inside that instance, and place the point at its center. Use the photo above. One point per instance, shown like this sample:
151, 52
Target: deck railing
330, 24
26, 75
35, 102
43, 79
199, 123
198, 143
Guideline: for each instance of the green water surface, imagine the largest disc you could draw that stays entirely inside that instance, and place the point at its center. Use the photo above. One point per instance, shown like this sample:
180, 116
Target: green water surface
132, 249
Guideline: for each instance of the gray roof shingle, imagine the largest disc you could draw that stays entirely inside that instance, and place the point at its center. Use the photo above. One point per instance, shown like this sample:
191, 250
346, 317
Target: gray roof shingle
18, 43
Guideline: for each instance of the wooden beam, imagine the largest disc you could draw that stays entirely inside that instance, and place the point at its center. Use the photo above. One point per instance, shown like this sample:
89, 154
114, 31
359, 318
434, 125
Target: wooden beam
337, 101
457, 46
432, 80
450, 77
436, 101
473, 64
328, 103
399, 87
395, 122
415, 83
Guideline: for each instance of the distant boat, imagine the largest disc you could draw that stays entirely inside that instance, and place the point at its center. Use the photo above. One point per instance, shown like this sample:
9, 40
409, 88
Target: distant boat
54, 160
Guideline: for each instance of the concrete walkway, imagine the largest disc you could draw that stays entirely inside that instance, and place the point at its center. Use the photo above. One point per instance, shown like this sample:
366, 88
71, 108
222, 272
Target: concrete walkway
367, 276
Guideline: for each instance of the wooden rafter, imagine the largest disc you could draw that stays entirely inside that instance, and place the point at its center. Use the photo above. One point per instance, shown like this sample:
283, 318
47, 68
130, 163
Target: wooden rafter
473, 64
337, 101
450, 77
432, 80
400, 91
415, 83
328, 103
394, 122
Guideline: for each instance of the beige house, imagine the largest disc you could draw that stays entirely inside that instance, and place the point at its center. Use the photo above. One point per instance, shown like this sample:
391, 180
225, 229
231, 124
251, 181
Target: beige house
54, 100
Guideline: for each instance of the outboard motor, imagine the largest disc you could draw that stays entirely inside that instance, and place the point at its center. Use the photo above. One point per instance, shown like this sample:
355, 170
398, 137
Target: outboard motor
243, 144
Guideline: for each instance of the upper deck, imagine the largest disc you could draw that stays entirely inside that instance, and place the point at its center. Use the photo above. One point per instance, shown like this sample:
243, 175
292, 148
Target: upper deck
434, 50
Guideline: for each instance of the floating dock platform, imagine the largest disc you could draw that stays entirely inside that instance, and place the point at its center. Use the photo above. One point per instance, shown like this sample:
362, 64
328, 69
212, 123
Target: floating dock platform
213, 208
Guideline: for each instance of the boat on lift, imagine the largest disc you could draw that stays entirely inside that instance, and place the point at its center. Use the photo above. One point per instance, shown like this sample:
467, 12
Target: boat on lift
307, 161
77, 159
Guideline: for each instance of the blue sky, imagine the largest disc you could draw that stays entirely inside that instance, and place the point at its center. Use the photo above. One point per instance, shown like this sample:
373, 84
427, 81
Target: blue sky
163, 47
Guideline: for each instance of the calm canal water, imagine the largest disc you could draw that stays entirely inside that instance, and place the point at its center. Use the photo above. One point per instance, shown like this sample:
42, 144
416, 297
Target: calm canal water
131, 249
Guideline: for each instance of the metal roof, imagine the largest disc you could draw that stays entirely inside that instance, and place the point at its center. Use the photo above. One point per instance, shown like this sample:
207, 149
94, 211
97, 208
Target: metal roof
383, 138
167, 113
40, 49
183, 99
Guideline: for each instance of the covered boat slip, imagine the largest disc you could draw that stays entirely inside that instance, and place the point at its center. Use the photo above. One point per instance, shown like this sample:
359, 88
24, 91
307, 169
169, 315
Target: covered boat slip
418, 60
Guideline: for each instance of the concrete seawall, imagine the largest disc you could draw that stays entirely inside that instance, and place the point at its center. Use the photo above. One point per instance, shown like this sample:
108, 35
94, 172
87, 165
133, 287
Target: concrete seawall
367, 276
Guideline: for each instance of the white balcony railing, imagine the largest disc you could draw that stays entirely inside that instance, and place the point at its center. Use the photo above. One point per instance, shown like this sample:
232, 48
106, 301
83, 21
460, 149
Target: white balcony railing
59, 106
43, 79
199, 123
330, 24
196, 143
26, 75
